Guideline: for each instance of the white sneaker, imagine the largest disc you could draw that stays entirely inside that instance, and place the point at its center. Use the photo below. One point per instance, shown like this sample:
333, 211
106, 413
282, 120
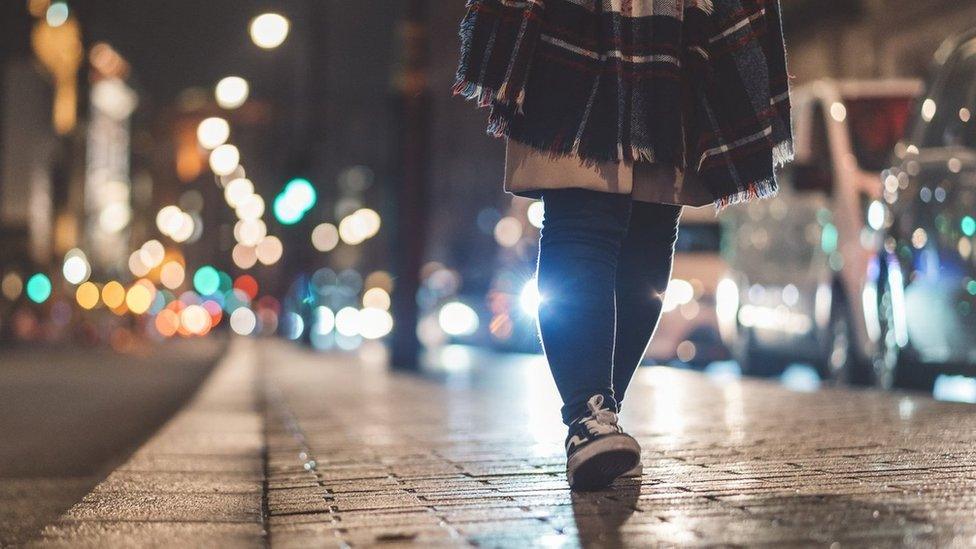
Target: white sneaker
598, 451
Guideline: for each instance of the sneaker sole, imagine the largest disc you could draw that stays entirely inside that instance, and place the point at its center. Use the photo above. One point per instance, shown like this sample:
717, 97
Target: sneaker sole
637, 471
602, 461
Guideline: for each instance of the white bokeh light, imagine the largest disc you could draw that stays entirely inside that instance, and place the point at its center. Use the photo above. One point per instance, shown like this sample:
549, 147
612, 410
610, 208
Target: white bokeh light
232, 92
347, 321
269, 250
213, 132
76, 268
269, 30
225, 159
458, 319
325, 237
243, 321
237, 191
375, 323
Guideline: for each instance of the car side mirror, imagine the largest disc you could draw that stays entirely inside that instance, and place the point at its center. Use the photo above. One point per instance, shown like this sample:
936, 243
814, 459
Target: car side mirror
811, 178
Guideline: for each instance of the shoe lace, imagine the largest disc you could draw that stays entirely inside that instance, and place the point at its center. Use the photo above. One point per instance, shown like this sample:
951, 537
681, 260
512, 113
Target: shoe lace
601, 421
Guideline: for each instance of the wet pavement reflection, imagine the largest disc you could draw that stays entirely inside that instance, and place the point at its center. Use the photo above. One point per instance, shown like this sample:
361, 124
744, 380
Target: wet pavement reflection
289, 447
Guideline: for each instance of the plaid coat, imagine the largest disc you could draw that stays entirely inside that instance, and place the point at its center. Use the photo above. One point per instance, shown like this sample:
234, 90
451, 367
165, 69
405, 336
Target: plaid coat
700, 85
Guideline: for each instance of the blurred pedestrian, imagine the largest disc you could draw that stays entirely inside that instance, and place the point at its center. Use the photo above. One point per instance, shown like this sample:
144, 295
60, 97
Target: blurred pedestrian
616, 114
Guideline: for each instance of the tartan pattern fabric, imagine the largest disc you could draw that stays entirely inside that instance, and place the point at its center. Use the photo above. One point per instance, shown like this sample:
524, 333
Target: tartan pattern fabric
699, 84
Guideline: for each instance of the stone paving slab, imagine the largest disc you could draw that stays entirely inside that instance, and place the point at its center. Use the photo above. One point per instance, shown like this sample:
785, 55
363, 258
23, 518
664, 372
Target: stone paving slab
476, 460
289, 448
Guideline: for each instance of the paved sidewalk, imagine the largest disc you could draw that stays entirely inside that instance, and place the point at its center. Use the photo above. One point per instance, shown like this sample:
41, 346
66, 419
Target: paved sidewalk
198, 482
356, 456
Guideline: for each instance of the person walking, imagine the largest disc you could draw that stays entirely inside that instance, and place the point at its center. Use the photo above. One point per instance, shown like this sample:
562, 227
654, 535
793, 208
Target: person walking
616, 114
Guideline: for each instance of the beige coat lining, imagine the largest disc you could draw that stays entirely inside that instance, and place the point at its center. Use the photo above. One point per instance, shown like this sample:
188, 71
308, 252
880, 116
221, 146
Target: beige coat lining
529, 171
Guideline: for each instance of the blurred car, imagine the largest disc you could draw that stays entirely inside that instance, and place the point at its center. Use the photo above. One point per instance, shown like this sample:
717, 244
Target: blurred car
688, 330
925, 270
799, 263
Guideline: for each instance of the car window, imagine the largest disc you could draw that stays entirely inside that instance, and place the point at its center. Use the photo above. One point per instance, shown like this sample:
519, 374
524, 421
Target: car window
940, 218
876, 124
953, 109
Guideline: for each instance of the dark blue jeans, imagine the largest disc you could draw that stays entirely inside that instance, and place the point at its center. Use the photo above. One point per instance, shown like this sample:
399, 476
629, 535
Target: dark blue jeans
604, 264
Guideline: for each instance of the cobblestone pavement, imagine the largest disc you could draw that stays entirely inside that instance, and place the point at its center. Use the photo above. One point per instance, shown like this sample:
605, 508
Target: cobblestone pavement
333, 451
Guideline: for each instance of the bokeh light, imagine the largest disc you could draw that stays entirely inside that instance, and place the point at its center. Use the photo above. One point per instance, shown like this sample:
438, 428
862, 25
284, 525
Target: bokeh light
968, 225
325, 321
12, 285
231, 92
376, 298
57, 14
177, 224
458, 319
244, 256
250, 207
243, 322
113, 295
247, 284
87, 295
237, 191
136, 265
347, 321
250, 232
375, 323
358, 226
508, 231
139, 297
325, 237
294, 201
76, 268
195, 319
168, 219
206, 280
38, 288
536, 213
379, 279
269, 30
269, 250
225, 159
678, 293
213, 132
167, 322
172, 274
152, 253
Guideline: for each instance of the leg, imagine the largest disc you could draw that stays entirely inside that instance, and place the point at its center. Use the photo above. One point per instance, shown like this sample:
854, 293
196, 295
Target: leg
643, 273
578, 249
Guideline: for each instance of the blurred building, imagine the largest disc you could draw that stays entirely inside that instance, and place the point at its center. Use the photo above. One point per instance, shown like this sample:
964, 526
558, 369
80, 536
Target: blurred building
27, 149
870, 38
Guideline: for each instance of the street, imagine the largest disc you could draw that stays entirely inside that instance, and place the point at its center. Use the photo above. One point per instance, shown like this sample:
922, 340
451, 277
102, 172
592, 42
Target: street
286, 447
68, 416
288, 273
